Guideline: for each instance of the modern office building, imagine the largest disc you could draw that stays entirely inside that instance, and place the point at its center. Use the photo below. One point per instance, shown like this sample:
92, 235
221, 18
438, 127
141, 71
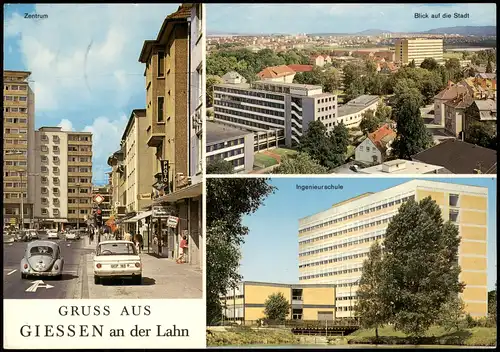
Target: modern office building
351, 114
174, 126
64, 188
18, 149
246, 302
334, 243
418, 49
274, 111
231, 144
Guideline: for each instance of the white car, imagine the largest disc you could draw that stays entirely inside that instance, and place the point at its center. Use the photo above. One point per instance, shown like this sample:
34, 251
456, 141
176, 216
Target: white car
117, 259
72, 235
52, 234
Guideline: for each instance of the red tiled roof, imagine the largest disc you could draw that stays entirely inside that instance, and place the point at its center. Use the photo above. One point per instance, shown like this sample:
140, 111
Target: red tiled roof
301, 68
382, 136
275, 72
181, 13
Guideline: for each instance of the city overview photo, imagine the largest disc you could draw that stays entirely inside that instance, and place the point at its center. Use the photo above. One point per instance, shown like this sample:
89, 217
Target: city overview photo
351, 89
102, 171
361, 260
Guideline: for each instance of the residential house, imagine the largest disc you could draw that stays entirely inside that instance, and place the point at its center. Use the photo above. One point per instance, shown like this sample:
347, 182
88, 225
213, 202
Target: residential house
233, 77
480, 111
281, 73
375, 148
317, 60
452, 91
460, 157
454, 113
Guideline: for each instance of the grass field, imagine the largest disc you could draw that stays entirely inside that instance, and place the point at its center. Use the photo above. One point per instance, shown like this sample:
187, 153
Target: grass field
244, 336
283, 151
262, 160
435, 336
452, 54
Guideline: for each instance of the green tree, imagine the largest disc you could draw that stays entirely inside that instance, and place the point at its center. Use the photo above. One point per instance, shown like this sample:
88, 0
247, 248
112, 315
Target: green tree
411, 135
453, 67
429, 64
412, 64
211, 82
370, 305
482, 134
492, 304
339, 139
227, 201
276, 307
489, 67
452, 314
300, 163
420, 266
383, 112
369, 123
220, 166
355, 89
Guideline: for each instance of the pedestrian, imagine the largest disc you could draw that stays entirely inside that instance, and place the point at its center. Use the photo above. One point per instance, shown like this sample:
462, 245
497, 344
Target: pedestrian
138, 242
128, 237
182, 250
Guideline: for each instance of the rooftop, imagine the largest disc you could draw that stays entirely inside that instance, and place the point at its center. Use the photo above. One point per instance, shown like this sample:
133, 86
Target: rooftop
358, 104
460, 157
301, 68
276, 71
410, 167
217, 132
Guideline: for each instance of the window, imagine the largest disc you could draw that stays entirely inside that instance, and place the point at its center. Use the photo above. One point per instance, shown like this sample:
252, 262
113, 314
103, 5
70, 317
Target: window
45, 169
55, 169
55, 159
161, 64
55, 190
55, 149
454, 200
161, 102
453, 215
84, 190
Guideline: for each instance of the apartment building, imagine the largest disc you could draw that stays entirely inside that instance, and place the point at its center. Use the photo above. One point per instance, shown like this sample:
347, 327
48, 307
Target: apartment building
418, 49
64, 188
351, 114
18, 149
231, 144
246, 302
106, 204
334, 243
284, 109
172, 131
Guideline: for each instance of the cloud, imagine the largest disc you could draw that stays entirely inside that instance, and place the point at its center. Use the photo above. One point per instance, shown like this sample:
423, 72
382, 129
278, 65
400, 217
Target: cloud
106, 137
66, 125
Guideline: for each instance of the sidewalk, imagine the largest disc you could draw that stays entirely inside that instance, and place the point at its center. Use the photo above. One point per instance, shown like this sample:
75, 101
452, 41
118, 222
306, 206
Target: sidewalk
161, 278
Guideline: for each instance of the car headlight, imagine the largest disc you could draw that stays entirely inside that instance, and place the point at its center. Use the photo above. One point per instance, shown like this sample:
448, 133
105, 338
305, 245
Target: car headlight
137, 265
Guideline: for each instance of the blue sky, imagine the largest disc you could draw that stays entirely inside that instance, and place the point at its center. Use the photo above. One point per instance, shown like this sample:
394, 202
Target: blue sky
270, 253
340, 18
84, 63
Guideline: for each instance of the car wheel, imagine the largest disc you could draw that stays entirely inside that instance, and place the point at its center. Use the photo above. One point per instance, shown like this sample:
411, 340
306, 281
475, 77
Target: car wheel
59, 277
97, 280
24, 276
138, 280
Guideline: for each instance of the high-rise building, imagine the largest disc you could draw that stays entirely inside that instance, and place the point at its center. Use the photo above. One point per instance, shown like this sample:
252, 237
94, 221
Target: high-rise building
18, 149
64, 187
418, 49
286, 109
334, 243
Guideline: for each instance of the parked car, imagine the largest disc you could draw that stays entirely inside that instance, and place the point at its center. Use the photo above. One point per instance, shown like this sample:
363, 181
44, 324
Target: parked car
354, 168
117, 260
21, 236
42, 258
33, 235
52, 234
72, 235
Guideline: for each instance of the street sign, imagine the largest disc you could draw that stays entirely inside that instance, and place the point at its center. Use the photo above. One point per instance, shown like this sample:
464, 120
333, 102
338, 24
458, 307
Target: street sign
159, 211
172, 221
38, 284
98, 198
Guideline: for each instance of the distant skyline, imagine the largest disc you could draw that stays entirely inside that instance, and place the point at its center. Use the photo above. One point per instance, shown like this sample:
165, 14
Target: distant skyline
341, 18
270, 252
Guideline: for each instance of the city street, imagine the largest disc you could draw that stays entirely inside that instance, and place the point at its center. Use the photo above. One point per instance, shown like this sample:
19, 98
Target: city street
162, 277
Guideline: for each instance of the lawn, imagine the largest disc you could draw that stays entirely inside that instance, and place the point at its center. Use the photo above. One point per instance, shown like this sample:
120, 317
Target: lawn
452, 54
262, 160
478, 336
350, 150
283, 151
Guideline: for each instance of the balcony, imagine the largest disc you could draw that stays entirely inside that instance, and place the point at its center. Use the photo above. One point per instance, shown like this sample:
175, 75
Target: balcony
76, 173
72, 142
56, 139
156, 134
44, 160
80, 153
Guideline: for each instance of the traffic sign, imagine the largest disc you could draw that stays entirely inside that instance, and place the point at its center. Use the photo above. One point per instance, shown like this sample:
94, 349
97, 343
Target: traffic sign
98, 198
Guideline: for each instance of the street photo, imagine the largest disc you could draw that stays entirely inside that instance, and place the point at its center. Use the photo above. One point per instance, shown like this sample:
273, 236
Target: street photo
358, 88
102, 171
370, 262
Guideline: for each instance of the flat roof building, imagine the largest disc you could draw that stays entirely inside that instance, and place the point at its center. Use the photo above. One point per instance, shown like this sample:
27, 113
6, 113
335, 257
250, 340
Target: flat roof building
351, 114
402, 167
418, 49
334, 243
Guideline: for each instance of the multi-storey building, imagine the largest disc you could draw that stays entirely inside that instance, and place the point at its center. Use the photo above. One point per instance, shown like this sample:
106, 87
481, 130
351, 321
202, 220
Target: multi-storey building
351, 114
334, 243
18, 149
172, 132
418, 49
283, 108
64, 188
105, 205
246, 302
231, 144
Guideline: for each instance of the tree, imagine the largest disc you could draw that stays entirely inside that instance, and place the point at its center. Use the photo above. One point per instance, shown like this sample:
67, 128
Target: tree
383, 112
411, 134
452, 313
226, 202
429, 64
369, 123
453, 67
489, 67
220, 166
355, 89
420, 266
277, 307
412, 64
211, 82
300, 163
370, 305
492, 304
339, 139
482, 134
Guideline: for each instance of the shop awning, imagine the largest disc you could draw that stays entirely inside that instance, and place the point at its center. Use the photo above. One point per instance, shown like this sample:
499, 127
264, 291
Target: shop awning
139, 216
192, 191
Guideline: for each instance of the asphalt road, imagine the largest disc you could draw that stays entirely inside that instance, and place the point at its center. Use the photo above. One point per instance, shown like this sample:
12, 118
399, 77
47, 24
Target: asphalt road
15, 287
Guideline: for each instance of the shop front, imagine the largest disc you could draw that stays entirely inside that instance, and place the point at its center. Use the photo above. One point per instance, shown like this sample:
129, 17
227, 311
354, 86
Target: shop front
163, 219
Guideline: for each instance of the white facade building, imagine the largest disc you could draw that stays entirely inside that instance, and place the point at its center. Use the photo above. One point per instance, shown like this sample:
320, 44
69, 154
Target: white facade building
351, 114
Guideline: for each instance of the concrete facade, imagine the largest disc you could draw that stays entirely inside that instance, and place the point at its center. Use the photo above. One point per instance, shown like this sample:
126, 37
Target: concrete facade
418, 49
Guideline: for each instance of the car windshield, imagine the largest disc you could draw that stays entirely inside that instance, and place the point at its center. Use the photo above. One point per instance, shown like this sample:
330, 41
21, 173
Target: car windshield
117, 249
42, 250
